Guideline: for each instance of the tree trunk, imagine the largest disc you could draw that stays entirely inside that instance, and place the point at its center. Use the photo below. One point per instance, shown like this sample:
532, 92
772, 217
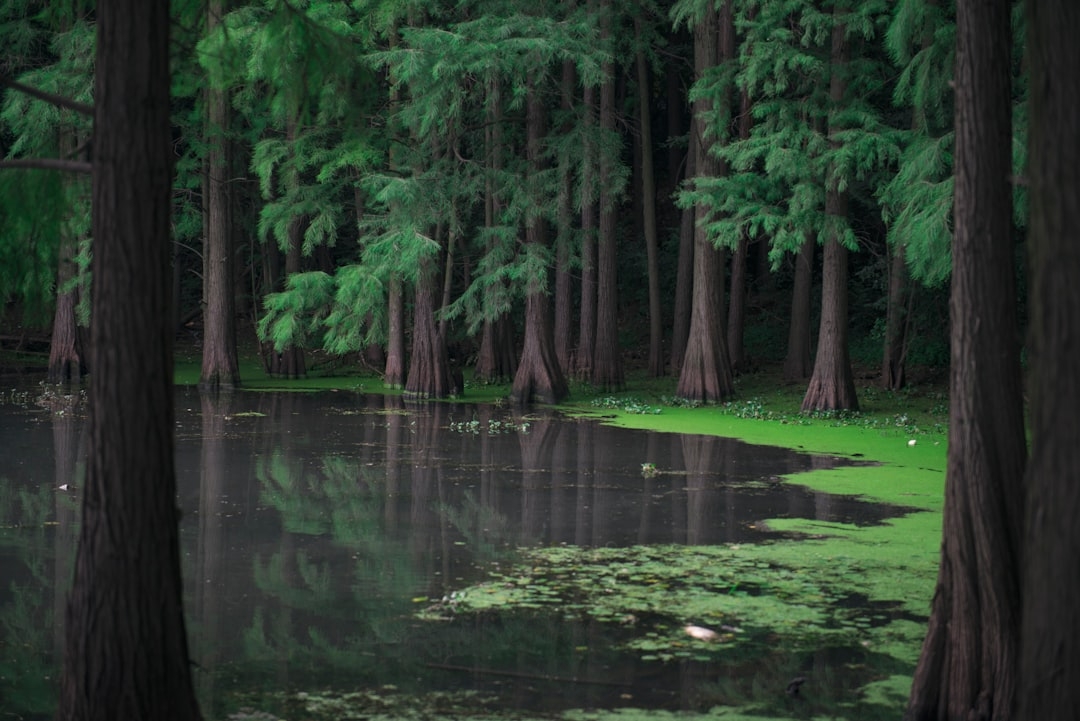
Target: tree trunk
563, 239
648, 206
429, 370
705, 374
220, 367
607, 372
1050, 645
496, 361
896, 323
832, 385
587, 319
739, 260
684, 273
798, 363
538, 377
394, 372
967, 669
65, 349
127, 655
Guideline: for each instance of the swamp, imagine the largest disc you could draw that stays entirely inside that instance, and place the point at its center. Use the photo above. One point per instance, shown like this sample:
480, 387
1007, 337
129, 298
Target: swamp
354, 555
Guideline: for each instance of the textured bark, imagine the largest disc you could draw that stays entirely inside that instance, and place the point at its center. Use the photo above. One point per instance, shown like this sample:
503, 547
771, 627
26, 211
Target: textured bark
648, 207
564, 299
126, 655
736, 323
967, 669
706, 375
65, 350
798, 363
220, 367
394, 371
496, 361
539, 377
587, 319
607, 374
684, 272
832, 384
896, 324
429, 369
1050, 645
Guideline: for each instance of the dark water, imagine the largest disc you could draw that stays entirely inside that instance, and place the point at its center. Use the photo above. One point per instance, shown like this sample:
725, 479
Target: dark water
315, 525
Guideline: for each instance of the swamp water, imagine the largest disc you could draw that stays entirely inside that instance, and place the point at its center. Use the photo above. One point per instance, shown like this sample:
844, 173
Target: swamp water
351, 556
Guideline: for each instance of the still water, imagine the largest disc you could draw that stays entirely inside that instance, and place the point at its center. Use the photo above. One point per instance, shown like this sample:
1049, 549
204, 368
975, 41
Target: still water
315, 526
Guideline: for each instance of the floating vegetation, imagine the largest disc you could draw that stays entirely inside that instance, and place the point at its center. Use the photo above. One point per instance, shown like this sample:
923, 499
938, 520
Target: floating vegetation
491, 427
626, 405
733, 598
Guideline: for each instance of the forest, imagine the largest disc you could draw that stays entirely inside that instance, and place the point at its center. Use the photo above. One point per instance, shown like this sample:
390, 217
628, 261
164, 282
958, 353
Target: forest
529, 192
517, 192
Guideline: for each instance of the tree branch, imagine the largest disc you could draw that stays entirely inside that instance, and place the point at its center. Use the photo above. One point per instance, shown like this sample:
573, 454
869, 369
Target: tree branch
57, 100
74, 166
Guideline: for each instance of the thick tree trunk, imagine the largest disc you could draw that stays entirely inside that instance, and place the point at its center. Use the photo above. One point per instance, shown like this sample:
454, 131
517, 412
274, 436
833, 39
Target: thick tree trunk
394, 372
832, 384
539, 377
607, 372
967, 669
799, 363
429, 370
65, 355
1050, 645
220, 367
706, 374
587, 319
648, 207
127, 654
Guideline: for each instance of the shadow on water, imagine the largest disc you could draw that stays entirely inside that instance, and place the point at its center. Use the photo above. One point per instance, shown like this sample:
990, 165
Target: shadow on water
315, 526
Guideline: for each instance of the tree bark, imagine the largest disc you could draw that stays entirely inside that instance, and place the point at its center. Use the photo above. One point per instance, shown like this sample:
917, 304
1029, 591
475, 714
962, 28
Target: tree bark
967, 669
563, 239
607, 372
1050, 635
220, 367
736, 324
799, 363
65, 350
706, 374
587, 318
648, 206
394, 371
832, 384
896, 323
127, 655
429, 369
539, 377
684, 273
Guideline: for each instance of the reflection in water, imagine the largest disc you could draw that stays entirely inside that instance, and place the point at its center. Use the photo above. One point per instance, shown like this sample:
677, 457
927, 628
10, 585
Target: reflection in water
314, 526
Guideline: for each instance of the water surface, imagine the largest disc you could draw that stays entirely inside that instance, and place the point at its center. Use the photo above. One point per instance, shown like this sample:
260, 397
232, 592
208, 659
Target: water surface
314, 527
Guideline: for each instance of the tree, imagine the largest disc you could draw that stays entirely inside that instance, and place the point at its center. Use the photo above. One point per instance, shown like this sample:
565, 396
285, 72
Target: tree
832, 385
706, 372
220, 367
126, 655
1050, 632
967, 668
648, 206
607, 371
539, 376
